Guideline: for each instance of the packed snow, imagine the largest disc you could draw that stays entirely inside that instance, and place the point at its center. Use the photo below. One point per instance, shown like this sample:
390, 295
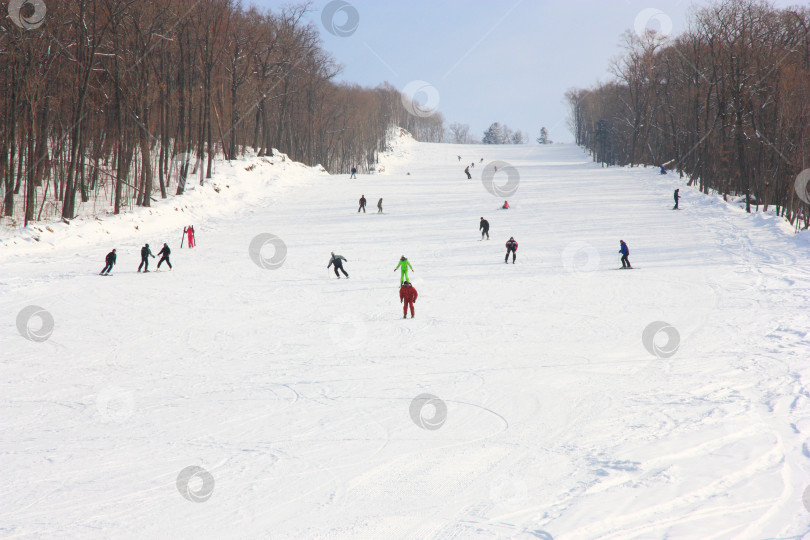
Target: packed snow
555, 398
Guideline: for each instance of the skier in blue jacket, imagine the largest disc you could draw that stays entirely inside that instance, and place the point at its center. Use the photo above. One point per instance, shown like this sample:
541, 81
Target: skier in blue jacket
625, 253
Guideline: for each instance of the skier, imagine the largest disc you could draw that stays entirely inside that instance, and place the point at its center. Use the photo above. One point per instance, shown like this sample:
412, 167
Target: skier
472, 164
625, 253
511, 247
362, 204
467, 172
379, 206
676, 199
354, 173
459, 158
337, 260
164, 253
482, 160
663, 170
110, 260
505, 205
407, 297
403, 267
190, 232
484, 228
145, 254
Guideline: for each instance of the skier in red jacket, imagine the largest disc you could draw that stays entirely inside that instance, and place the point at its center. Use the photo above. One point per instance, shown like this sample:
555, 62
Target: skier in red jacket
407, 297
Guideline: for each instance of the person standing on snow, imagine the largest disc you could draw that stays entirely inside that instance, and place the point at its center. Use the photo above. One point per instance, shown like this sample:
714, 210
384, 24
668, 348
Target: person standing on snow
190, 232
354, 173
676, 199
625, 253
472, 164
379, 206
511, 247
110, 260
337, 260
407, 297
467, 172
403, 267
362, 204
484, 228
663, 170
164, 256
145, 254
459, 158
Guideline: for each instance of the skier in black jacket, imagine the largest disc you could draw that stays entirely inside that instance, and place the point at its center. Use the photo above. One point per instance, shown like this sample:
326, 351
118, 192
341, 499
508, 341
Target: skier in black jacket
362, 204
165, 252
511, 247
110, 260
484, 228
145, 254
677, 196
337, 260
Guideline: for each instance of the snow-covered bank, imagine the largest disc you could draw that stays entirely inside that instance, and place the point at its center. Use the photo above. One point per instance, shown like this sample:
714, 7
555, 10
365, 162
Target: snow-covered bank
295, 391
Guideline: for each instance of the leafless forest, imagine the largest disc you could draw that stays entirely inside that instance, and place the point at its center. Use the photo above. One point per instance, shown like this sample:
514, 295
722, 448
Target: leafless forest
727, 102
125, 101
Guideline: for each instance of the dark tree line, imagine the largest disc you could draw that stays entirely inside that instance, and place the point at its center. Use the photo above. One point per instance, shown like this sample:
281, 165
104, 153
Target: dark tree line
726, 103
118, 102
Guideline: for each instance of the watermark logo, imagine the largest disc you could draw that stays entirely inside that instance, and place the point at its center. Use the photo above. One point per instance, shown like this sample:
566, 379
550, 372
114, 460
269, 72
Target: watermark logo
114, 404
512, 179
257, 251
652, 342
646, 16
420, 98
195, 484
803, 185
331, 18
30, 331
580, 258
428, 411
508, 490
348, 332
27, 14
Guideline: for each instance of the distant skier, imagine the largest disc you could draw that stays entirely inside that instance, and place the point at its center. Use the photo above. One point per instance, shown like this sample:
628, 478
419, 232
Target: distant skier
482, 160
472, 164
467, 172
337, 260
677, 196
459, 158
663, 170
625, 253
403, 266
164, 256
190, 232
354, 173
484, 228
145, 254
110, 260
505, 205
511, 247
362, 204
379, 206
407, 297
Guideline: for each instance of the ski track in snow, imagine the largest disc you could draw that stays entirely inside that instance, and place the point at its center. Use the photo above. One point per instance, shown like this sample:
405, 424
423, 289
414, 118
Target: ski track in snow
293, 388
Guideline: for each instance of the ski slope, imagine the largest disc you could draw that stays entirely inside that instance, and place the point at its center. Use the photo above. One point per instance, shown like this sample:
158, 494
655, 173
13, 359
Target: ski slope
292, 391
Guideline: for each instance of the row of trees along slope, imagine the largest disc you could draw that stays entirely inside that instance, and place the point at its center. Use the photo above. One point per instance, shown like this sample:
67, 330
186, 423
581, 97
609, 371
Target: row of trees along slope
727, 102
100, 99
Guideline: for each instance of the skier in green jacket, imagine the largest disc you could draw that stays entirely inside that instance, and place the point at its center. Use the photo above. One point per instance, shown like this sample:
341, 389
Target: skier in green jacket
403, 267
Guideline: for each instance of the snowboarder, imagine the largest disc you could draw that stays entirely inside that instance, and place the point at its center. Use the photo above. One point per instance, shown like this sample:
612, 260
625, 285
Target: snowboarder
379, 206
362, 204
677, 196
663, 170
110, 260
505, 205
625, 253
164, 256
511, 247
467, 172
484, 228
337, 260
145, 254
403, 267
407, 297
190, 232
354, 173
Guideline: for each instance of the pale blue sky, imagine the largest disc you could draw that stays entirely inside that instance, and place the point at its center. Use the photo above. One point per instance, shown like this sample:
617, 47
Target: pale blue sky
508, 61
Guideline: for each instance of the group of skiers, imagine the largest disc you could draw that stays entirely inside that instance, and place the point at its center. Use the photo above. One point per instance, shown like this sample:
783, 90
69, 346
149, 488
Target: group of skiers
363, 205
146, 252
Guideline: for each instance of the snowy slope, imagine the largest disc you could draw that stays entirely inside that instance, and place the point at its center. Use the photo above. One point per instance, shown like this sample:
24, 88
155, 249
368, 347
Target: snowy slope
293, 390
